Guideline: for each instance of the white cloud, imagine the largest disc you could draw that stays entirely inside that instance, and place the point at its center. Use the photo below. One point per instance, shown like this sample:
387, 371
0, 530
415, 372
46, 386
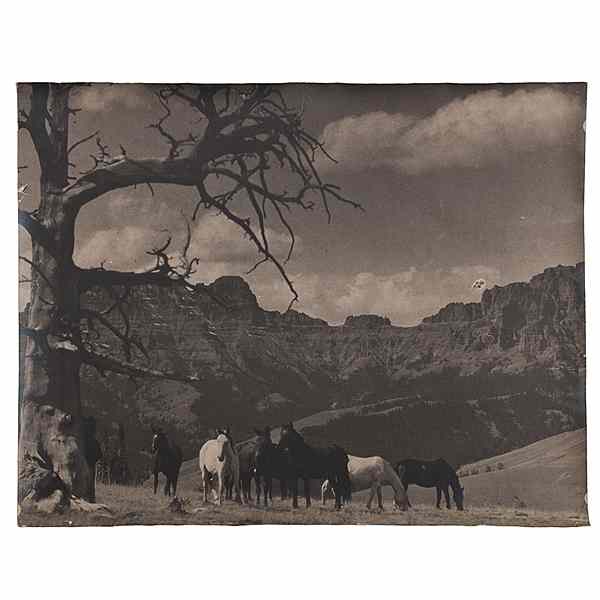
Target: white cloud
219, 244
101, 97
404, 297
475, 131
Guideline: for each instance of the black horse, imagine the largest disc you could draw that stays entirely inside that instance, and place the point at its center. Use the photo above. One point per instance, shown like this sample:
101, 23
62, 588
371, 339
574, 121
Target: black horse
167, 460
270, 462
432, 473
245, 451
306, 463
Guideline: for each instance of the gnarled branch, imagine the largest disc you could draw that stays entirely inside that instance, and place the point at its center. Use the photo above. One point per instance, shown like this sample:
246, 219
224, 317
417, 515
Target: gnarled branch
36, 230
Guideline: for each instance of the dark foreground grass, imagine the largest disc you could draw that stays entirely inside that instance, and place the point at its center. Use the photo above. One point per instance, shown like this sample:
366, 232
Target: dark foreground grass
139, 506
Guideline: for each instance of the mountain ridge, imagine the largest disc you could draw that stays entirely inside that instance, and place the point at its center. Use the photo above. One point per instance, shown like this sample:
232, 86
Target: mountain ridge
510, 372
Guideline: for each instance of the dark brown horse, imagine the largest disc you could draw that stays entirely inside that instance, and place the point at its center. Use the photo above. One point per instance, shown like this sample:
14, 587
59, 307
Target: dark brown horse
432, 473
305, 462
270, 462
167, 460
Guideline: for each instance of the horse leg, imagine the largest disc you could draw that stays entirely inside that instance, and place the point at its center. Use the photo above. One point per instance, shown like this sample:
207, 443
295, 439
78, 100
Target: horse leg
379, 498
438, 491
247, 482
338, 492
243, 488
205, 483
257, 485
294, 493
236, 486
283, 488
324, 489
447, 496
155, 481
220, 488
372, 496
408, 504
174, 483
307, 492
167, 486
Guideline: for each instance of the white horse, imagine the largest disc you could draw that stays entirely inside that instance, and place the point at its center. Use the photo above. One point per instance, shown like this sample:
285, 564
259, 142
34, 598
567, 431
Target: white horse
219, 465
371, 473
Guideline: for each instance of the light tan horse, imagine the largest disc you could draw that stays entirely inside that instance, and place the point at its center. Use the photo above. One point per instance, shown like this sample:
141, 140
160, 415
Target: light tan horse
371, 473
219, 465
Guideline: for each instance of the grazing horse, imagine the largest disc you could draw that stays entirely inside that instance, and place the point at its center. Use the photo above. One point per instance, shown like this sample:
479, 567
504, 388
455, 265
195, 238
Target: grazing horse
167, 460
305, 462
371, 473
432, 473
219, 465
270, 462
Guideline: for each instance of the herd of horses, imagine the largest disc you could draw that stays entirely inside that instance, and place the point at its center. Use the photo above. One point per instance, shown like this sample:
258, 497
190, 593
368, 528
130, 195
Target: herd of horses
228, 469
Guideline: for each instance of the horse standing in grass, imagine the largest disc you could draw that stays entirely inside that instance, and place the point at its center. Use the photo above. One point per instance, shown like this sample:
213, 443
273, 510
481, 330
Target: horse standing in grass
233, 476
432, 473
218, 461
306, 463
245, 452
270, 463
167, 460
371, 473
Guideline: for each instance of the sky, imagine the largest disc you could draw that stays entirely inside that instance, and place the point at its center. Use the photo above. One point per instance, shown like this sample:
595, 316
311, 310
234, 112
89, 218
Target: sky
457, 182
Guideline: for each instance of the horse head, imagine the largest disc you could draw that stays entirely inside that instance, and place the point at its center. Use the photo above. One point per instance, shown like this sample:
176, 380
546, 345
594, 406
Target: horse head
289, 437
158, 439
223, 443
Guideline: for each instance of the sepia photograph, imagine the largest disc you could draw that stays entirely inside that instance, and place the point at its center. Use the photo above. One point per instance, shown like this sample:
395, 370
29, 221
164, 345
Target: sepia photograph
301, 304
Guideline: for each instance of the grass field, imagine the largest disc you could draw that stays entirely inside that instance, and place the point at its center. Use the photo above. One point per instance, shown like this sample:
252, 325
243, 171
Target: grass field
542, 484
139, 506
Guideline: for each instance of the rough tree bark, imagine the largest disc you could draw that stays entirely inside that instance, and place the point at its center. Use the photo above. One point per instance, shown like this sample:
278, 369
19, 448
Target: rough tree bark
51, 426
240, 140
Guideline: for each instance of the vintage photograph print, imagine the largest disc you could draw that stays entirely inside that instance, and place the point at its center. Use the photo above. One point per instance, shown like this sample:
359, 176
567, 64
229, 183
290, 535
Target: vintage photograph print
301, 304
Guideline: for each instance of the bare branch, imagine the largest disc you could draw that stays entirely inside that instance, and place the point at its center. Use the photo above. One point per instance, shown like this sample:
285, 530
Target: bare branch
104, 363
36, 230
87, 138
248, 130
37, 269
128, 342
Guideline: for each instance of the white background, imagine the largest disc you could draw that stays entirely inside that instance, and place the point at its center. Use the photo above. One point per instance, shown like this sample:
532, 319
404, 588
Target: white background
302, 41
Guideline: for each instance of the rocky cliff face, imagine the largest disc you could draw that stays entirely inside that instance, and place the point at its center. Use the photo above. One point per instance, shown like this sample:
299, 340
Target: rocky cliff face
272, 366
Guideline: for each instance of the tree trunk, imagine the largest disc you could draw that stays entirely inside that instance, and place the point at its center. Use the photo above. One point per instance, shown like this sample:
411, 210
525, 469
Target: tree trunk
52, 442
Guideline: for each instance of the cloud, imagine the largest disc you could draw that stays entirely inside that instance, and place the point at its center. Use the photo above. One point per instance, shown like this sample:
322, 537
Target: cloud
405, 297
481, 129
408, 296
219, 244
100, 97
215, 239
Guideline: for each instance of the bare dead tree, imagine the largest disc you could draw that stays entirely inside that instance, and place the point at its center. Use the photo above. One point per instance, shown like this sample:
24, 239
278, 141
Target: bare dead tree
242, 136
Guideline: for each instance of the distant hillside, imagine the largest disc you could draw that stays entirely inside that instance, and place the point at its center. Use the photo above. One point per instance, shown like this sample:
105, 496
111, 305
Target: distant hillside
547, 475
478, 379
